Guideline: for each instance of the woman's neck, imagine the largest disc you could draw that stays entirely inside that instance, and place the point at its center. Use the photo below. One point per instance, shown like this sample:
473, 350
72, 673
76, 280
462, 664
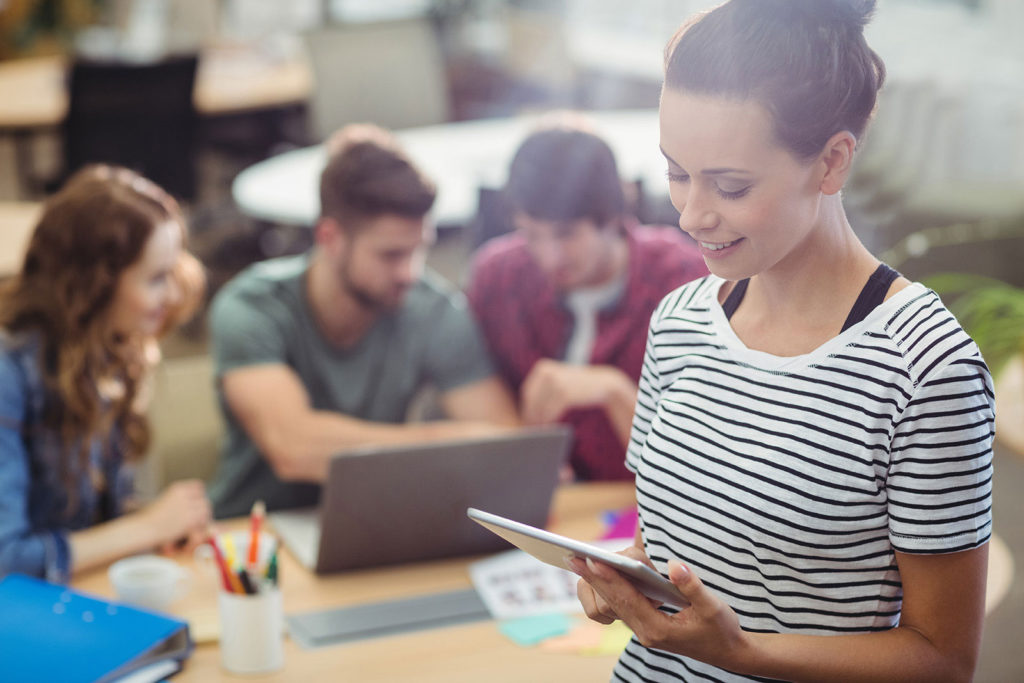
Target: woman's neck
803, 300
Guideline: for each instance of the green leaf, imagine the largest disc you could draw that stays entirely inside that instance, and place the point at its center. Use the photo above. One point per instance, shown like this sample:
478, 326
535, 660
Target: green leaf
990, 310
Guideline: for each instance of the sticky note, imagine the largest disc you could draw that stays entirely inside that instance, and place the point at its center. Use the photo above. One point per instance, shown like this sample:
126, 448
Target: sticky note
621, 524
614, 638
532, 630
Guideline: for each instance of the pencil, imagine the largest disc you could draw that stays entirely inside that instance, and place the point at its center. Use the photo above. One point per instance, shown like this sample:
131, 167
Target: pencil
229, 564
230, 557
256, 521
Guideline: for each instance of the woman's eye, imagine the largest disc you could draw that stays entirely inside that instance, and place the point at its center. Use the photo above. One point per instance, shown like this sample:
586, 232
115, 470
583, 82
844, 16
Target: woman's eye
674, 177
729, 192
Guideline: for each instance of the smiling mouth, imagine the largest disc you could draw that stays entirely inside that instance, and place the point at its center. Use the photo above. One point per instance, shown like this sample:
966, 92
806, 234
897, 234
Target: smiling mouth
716, 246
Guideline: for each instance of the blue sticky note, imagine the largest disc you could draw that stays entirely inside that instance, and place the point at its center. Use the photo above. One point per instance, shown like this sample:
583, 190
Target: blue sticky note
532, 630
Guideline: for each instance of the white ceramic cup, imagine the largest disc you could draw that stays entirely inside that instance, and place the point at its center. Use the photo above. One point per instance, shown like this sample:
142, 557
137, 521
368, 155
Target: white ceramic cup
251, 631
149, 581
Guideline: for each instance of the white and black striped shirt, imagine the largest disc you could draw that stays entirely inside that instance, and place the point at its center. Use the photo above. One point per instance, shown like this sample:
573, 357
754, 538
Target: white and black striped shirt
788, 483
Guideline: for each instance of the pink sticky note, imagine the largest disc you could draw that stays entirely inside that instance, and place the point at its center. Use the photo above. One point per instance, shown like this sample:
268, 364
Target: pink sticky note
623, 524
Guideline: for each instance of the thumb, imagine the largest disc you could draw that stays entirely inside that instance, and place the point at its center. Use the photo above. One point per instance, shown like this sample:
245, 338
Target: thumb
688, 584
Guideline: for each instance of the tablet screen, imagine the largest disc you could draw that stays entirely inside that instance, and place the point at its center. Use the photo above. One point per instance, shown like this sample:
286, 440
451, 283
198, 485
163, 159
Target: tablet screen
556, 550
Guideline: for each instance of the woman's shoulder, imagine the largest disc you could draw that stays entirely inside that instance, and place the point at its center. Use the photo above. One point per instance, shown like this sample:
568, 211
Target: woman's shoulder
926, 333
20, 377
18, 348
694, 297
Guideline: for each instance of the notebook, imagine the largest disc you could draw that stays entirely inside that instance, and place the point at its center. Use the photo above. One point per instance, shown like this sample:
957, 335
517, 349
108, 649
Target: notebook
387, 505
51, 632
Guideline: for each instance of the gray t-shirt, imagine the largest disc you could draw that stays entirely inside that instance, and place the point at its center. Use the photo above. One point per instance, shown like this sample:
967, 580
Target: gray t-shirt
263, 316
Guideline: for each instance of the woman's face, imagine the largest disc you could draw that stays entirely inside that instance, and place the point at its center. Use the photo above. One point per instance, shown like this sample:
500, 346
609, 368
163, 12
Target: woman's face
749, 203
146, 290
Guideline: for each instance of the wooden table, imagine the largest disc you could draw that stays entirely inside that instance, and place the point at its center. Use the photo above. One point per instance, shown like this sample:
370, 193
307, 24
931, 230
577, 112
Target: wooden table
473, 652
231, 79
17, 220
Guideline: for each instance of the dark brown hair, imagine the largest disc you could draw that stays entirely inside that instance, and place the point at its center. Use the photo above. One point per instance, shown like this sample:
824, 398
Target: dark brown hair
564, 172
805, 61
88, 235
368, 175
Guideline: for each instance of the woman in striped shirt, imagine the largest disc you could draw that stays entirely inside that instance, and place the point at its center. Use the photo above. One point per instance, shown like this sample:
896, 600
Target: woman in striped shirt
812, 437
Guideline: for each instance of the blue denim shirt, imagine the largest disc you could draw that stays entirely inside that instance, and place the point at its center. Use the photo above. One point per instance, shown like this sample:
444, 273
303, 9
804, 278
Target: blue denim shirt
34, 516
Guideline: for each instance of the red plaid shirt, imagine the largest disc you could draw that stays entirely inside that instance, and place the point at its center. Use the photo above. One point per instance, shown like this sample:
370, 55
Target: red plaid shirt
524, 320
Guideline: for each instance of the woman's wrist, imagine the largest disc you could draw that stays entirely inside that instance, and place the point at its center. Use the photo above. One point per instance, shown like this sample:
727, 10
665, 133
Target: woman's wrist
745, 654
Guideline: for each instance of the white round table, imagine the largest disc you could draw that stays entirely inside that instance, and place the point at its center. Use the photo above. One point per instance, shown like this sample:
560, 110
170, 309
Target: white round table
460, 157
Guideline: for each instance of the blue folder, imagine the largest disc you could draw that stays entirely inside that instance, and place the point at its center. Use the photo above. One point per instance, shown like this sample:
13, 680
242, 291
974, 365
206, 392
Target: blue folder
50, 632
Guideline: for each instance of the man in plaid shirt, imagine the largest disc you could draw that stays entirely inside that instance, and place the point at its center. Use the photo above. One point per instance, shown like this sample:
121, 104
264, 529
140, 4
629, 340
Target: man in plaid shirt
564, 301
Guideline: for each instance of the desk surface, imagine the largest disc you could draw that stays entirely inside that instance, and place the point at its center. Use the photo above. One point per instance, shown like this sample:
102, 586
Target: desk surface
460, 157
33, 92
473, 652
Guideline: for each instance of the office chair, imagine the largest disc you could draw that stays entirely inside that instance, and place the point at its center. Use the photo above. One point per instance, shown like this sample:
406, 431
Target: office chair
186, 422
391, 73
493, 217
135, 115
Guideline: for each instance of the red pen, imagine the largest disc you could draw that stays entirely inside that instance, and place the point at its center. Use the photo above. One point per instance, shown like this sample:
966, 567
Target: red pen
256, 521
225, 573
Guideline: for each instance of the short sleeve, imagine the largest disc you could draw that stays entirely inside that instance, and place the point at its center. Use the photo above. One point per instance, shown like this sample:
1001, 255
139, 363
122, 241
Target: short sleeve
456, 353
939, 484
647, 397
485, 299
38, 552
245, 330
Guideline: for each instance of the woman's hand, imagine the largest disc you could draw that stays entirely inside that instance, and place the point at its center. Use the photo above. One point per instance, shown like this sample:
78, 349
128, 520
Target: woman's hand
594, 605
182, 512
708, 630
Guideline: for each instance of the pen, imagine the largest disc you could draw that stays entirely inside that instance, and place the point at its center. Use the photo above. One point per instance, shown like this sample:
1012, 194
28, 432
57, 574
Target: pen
225, 574
247, 587
256, 521
272, 568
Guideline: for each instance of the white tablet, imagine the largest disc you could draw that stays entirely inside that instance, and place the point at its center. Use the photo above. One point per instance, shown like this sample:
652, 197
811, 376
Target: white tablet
557, 550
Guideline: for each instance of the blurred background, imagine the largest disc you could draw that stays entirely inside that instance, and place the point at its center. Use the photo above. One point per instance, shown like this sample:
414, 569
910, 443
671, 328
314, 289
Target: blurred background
224, 102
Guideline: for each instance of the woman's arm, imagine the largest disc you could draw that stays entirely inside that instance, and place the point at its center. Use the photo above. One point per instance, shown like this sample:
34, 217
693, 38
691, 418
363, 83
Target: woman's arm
54, 552
181, 512
937, 640
23, 548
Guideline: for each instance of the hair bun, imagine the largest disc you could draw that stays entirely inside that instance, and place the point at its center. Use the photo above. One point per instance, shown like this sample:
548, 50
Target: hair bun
853, 13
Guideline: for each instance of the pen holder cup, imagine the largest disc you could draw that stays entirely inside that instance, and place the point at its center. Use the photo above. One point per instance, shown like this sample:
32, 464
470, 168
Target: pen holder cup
251, 631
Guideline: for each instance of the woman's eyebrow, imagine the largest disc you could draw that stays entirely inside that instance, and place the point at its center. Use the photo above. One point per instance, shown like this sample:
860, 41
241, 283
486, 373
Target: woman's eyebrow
667, 157
707, 171
724, 171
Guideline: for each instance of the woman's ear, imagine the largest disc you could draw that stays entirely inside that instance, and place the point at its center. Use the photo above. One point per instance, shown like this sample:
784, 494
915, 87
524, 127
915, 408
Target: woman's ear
836, 160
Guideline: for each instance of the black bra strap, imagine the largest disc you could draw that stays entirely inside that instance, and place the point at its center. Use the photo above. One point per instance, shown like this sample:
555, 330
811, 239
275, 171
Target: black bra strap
732, 302
872, 295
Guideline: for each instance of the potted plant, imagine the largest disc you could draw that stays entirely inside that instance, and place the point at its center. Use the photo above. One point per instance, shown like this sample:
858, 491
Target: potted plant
992, 312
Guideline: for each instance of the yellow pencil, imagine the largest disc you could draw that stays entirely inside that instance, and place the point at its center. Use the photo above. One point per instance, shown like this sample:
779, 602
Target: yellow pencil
229, 550
229, 559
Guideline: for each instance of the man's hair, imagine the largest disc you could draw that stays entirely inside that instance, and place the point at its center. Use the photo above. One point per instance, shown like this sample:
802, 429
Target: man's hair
368, 175
565, 172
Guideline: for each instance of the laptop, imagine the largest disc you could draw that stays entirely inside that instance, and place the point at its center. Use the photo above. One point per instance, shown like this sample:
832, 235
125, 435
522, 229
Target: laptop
386, 505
